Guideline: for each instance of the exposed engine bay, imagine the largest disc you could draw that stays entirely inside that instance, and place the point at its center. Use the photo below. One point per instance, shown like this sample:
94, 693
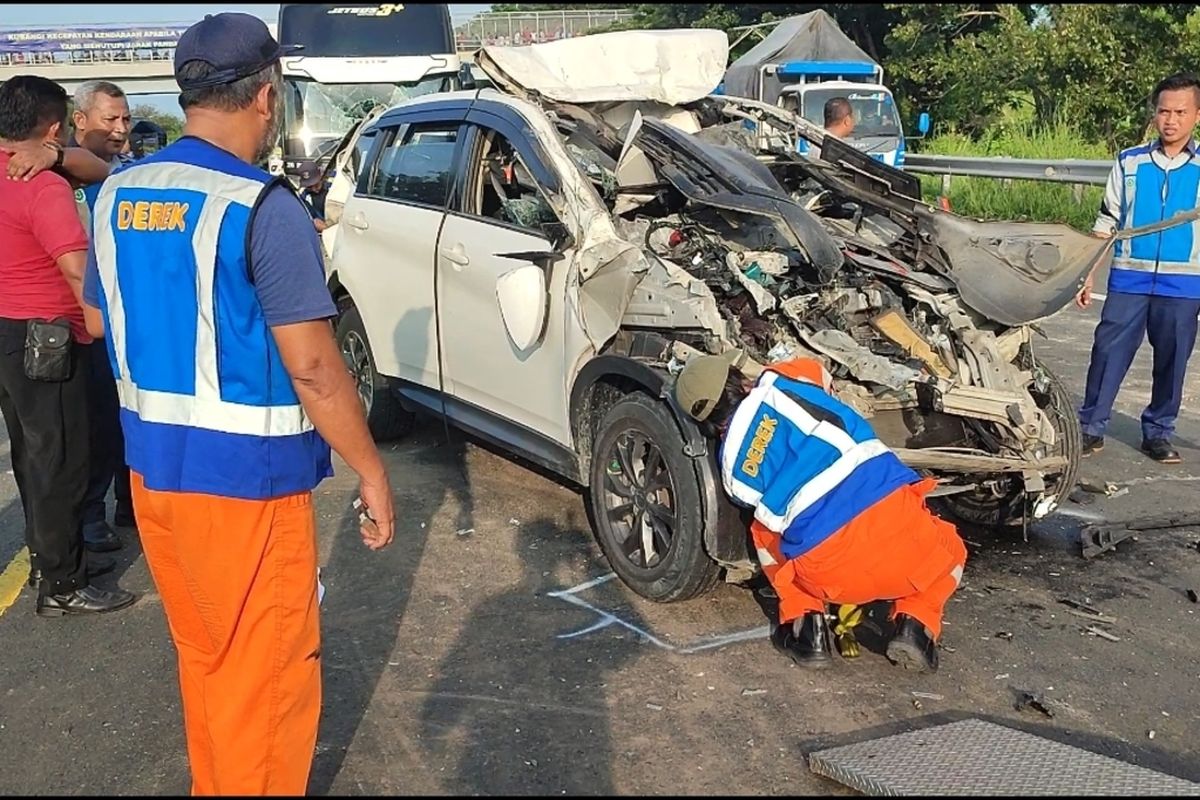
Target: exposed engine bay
923, 317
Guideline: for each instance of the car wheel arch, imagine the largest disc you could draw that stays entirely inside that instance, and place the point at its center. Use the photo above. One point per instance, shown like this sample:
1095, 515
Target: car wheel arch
607, 378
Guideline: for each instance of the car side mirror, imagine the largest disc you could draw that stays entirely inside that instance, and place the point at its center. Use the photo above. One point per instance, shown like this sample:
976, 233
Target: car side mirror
522, 296
923, 123
466, 78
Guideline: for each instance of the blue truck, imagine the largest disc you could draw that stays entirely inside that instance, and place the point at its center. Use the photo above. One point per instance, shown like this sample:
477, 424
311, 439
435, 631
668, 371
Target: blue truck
806, 61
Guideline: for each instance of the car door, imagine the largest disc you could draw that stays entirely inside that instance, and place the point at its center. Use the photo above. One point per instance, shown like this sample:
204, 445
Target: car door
385, 254
484, 238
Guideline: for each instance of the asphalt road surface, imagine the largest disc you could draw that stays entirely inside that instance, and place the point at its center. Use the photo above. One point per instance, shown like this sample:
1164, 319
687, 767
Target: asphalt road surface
485, 653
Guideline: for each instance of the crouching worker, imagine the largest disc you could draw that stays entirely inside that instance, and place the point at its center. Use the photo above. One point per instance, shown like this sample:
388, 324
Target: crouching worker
837, 517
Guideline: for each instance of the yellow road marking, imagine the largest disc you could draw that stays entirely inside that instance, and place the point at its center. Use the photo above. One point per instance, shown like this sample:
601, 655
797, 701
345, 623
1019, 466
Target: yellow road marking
13, 578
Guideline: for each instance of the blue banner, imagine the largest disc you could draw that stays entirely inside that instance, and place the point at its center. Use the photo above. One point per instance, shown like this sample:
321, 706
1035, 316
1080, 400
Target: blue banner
92, 38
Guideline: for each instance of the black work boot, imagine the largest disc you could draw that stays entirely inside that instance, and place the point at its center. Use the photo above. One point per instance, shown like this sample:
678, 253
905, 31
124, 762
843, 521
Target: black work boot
1161, 451
912, 646
88, 600
1091, 444
805, 640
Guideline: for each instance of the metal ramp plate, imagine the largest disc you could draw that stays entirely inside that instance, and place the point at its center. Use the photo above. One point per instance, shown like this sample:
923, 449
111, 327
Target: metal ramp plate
974, 757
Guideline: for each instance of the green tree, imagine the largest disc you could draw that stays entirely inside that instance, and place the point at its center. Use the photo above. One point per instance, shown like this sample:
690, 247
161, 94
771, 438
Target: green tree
171, 123
1096, 65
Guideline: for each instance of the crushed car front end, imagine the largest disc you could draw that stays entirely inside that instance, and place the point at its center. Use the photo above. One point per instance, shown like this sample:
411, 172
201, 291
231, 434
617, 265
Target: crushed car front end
926, 319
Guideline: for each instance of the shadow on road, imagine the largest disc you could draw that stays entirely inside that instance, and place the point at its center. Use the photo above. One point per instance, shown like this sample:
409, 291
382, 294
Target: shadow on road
517, 710
366, 597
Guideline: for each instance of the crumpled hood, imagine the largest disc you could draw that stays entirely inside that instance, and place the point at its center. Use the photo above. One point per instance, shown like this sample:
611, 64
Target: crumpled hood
673, 67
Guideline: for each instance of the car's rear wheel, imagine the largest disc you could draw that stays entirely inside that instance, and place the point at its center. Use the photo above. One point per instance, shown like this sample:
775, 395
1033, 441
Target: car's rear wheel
989, 509
646, 503
386, 417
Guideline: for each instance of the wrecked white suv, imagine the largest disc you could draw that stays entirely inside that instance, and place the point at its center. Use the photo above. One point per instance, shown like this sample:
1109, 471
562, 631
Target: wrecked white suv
536, 263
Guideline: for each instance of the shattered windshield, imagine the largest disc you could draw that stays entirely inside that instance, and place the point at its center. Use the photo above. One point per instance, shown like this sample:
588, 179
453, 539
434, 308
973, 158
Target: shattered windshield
874, 111
317, 115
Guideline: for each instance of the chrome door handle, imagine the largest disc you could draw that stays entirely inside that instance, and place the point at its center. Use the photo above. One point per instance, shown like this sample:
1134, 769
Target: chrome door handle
456, 255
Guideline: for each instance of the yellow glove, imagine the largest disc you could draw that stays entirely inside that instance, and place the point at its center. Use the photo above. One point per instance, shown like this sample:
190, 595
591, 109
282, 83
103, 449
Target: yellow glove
848, 617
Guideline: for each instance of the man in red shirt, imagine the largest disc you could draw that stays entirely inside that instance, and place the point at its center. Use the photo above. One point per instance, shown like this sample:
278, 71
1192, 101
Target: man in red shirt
43, 252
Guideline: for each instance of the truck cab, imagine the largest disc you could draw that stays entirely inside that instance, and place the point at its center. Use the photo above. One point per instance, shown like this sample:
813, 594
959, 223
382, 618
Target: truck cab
808, 85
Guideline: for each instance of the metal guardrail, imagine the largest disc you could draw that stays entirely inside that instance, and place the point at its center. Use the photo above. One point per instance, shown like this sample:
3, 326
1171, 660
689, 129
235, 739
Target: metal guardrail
1070, 170
529, 27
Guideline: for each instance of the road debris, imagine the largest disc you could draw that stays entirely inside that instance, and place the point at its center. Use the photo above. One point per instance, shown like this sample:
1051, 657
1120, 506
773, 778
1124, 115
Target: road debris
928, 696
1002, 677
1103, 634
1109, 489
654, 706
917, 704
1081, 497
1066, 601
515, 522
1100, 537
465, 531
1191, 595
1034, 701
1094, 617
752, 692
1005, 635
1150, 734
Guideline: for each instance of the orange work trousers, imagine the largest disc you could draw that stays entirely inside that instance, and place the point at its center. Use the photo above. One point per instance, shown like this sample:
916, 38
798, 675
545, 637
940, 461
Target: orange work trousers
238, 580
895, 550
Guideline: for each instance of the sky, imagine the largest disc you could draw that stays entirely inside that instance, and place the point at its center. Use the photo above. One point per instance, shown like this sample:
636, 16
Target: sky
31, 15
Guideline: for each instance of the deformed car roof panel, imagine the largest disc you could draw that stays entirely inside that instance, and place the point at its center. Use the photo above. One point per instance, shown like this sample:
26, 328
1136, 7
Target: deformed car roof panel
672, 66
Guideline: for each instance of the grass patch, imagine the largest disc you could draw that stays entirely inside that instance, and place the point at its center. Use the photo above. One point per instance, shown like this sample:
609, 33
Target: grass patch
1037, 201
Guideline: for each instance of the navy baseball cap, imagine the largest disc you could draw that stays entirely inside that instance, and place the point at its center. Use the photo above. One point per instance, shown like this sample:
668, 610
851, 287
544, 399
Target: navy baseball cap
235, 45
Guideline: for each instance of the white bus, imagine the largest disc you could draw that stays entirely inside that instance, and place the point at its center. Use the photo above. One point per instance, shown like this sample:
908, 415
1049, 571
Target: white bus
356, 57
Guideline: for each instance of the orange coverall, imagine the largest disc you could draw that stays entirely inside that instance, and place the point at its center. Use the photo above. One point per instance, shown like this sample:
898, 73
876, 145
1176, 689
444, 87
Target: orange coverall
238, 580
895, 550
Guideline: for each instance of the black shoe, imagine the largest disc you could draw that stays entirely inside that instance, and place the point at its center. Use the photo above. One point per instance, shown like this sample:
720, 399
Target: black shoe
88, 600
100, 538
806, 640
1161, 451
123, 517
96, 565
1092, 444
912, 647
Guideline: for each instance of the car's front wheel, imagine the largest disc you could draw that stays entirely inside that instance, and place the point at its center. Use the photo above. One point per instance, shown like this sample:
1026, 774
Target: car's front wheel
386, 418
646, 503
1009, 509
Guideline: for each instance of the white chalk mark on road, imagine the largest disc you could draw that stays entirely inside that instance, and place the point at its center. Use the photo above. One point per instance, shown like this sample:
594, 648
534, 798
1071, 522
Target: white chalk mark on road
607, 619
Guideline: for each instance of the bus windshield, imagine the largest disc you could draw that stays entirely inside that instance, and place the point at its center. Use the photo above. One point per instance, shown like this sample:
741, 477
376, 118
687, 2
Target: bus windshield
356, 30
318, 115
874, 111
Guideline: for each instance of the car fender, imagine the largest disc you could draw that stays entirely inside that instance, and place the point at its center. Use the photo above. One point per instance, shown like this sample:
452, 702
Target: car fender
726, 535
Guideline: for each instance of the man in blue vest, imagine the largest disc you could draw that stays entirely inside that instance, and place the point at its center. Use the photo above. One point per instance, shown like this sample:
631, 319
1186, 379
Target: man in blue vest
206, 275
838, 519
1154, 283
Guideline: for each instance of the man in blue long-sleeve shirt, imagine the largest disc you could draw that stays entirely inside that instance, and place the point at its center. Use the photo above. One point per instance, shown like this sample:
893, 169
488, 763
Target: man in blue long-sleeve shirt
1154, 283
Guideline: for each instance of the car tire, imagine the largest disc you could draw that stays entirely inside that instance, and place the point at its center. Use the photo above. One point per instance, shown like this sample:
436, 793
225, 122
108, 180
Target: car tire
386, 418
989, 511
645, 490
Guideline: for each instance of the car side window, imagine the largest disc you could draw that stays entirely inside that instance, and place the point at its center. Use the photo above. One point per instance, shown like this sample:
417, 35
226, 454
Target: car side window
417, 164
504, 189
362, 148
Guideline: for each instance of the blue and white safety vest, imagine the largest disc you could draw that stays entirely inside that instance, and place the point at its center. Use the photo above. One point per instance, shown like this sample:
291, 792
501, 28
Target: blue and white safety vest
1165, 263
807, 463
206, 404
